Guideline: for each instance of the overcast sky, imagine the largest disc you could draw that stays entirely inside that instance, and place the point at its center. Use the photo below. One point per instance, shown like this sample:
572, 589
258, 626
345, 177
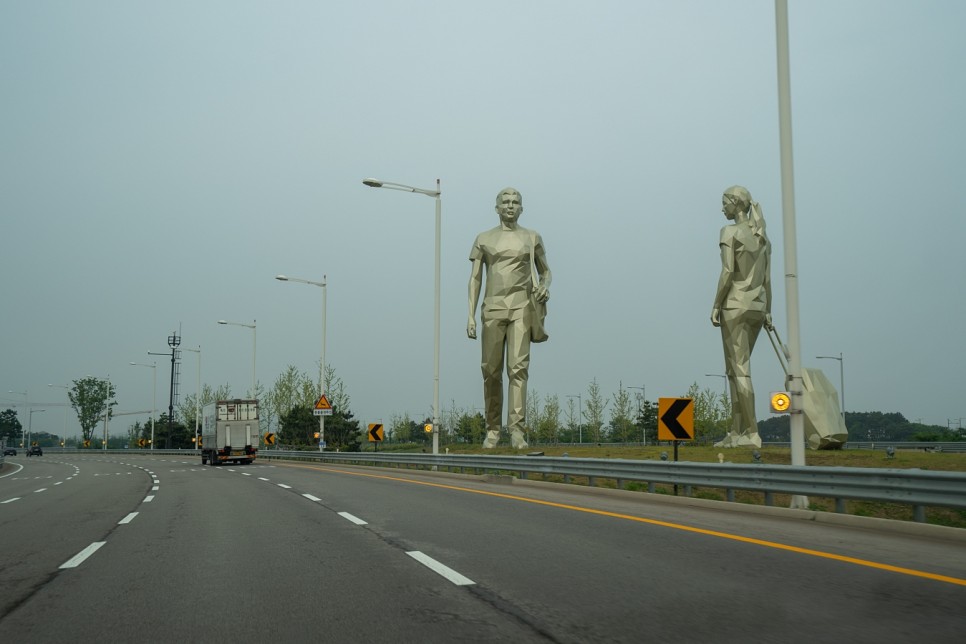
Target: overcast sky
161, 162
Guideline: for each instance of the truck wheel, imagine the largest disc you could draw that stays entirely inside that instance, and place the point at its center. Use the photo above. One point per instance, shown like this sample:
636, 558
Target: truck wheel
204, 459
213, 460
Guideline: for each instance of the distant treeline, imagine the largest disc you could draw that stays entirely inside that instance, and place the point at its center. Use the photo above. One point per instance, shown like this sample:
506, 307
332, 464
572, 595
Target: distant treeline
871, 426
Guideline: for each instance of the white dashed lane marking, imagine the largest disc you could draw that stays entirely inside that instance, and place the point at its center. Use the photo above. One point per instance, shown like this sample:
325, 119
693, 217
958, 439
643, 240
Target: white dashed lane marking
79, 558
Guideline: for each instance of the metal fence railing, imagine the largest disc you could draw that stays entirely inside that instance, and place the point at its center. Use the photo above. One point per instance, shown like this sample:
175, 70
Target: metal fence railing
915, 487
918, 488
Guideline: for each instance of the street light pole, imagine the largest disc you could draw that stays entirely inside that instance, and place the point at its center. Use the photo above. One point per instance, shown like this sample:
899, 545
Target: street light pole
66, 409
841, 360
640, 410
154, 394
375, 183
580, 417
26, 407
322, 285
720, 375
254, 340
198, 394
30, 423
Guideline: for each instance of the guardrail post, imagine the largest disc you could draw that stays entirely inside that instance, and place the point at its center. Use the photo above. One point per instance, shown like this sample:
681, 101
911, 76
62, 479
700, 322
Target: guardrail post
730, 495
769, 498
840, 505
919, 514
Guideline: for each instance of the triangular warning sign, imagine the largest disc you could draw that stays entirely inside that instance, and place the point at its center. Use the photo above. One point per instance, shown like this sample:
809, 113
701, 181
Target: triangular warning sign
323, 403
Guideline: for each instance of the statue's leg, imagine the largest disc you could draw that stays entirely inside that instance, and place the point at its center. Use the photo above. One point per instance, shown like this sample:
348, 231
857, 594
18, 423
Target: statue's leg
739, 331
517, 370
493, 341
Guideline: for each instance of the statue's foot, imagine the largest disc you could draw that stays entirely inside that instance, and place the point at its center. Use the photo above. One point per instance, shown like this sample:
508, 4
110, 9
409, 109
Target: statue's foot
517, 440
749, 440
491, 440
727, 441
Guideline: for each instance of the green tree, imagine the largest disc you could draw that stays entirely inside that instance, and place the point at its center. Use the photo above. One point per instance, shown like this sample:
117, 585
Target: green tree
10, 426
342, 433
620, 416
594, 411
292, 389
297, 427
90, 397
572, 430
186, 409
711, 419
404, 429
533, 415
469, 428
647, 420
548, 428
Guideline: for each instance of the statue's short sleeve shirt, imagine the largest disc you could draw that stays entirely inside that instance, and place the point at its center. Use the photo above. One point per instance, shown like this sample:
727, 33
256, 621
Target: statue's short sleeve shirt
506, 255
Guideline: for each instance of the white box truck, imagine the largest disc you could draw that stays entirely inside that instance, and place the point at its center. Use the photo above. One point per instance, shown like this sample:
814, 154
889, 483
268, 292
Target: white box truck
230, 432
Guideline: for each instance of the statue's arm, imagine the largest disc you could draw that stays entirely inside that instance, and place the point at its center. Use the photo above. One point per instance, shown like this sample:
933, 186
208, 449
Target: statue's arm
542, 290
768, 322
724, 280
475, 285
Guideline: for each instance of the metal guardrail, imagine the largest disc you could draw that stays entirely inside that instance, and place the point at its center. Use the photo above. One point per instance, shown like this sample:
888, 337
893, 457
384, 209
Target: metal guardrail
918, 488
915, 487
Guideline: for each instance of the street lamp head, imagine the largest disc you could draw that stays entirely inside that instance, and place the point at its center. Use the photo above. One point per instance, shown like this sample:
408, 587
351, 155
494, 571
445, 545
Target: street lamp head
222, 321
281, 278
372, 183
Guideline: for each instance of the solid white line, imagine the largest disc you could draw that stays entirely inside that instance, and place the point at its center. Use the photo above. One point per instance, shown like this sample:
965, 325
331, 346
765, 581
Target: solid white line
287, 487
79, 558
148, 498
16, 498
311, 498
128, 518
440, 569
354, 519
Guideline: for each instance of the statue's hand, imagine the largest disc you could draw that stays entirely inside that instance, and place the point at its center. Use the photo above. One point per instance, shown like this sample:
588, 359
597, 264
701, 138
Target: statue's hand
716, 317
541, 293
471, 329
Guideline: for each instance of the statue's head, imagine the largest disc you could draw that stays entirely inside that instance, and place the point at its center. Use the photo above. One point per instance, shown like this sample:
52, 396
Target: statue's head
509, 205
734, 200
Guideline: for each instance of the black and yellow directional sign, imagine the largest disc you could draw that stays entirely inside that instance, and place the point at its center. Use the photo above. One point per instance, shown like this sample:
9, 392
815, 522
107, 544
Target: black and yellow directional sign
675, 419
87, 443
269, 438
375, 432
142, 442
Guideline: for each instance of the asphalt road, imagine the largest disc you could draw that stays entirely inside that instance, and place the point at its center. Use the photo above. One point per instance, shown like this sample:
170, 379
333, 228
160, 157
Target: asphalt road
161, 549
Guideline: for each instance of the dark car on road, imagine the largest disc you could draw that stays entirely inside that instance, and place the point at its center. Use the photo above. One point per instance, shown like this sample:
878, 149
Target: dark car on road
9, 451
35, 451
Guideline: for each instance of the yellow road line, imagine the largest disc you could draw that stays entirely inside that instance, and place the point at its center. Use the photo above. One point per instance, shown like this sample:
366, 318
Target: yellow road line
676, 526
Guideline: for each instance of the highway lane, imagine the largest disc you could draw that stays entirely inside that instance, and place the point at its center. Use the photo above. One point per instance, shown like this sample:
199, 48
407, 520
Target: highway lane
323, 552
233, 553
52, 507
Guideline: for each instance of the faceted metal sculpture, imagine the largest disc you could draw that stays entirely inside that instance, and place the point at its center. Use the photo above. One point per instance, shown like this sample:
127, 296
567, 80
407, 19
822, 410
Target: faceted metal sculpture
824, 425
742, 305
517, 285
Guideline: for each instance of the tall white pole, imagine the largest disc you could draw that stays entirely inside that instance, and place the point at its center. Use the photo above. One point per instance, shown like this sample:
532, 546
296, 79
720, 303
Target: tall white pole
795, 383
322, 366
375, 183
154, 399
254, 347
436, 333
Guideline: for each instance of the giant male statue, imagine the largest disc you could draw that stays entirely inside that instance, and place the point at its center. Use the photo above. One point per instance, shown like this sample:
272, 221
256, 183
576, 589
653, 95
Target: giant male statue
742, 305
517, 281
